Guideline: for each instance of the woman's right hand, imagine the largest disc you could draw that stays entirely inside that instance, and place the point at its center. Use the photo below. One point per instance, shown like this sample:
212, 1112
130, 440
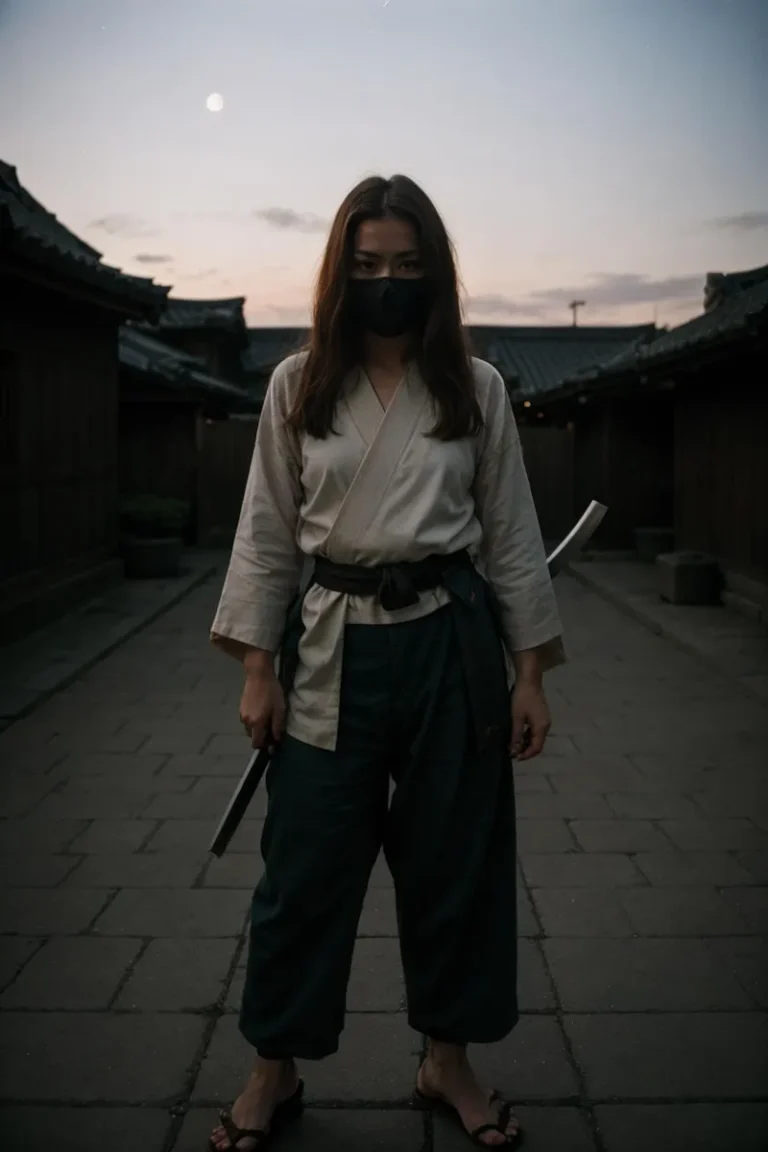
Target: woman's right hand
262, 706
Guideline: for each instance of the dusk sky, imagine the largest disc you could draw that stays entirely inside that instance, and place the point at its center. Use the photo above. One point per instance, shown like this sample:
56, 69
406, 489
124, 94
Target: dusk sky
609, 150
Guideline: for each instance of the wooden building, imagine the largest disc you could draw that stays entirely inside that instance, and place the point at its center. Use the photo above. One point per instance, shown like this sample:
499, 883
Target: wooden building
265, 349
675, 432
169, 404
534, 361
212, 330
62, 310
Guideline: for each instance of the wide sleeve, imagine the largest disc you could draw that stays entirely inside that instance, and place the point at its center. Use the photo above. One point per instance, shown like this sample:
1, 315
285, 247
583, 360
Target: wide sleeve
513, 553
265, 566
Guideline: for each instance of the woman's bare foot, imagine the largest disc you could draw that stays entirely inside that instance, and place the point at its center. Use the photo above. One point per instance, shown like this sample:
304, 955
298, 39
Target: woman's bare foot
447, 1074
270, 1083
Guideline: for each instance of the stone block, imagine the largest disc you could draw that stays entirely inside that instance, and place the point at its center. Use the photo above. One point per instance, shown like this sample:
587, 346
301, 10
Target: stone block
562, 805
582, 912
534, 987
31, 1128
641, 976
376, 982
751, 904
234, 870
33, 869
70, 973
682, 912
671, 1056
546, 1130
93, 1056
171, 976
138, 870
683, 1127
678, 869
113, 836
376, 1063
531, 1064
326, 1130
715, 835
579, 870
618, 836
651, 805
174, 913
49, 911
747, 958
379, 916
47, 834
544, 836
15, 951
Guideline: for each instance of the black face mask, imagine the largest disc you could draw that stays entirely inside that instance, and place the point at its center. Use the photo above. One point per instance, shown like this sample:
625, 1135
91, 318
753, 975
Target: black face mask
389, 305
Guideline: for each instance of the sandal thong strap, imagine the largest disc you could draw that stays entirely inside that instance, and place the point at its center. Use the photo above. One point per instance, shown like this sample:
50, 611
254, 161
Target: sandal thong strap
504, 1117
235, 1134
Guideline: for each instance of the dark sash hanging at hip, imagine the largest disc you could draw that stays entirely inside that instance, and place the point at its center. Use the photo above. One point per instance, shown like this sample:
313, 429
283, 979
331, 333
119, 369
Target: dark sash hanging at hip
475, 614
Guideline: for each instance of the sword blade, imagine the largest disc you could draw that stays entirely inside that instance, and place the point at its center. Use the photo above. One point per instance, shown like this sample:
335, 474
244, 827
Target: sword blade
570, 546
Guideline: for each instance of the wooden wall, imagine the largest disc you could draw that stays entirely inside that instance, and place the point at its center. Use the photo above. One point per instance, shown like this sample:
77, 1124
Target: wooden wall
225, 451
158, 452
549, 461
58, 472
721, 450
624, 457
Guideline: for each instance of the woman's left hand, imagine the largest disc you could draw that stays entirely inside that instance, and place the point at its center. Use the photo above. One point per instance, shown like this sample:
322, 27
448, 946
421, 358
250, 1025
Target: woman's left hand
530, 719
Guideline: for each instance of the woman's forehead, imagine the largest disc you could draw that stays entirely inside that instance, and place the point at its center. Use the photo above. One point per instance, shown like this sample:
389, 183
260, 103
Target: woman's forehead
389, 234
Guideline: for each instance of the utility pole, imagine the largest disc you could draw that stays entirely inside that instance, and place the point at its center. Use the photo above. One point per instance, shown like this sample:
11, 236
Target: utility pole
574, 307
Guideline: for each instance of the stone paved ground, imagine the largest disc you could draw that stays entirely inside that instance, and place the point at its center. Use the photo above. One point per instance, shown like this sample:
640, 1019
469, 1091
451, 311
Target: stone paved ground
644, 866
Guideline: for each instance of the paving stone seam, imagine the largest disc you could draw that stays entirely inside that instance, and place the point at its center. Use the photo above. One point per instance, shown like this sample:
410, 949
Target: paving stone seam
78, 858
215, 1014
40, 945
109, 1010
111, 895
127, 974
537, 1103
584, 1102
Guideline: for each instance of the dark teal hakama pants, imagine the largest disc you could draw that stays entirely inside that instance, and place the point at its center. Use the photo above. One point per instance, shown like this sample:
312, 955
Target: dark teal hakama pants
448, 835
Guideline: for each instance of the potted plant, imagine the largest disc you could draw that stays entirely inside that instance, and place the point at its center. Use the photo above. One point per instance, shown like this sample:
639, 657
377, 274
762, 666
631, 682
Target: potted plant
152, 530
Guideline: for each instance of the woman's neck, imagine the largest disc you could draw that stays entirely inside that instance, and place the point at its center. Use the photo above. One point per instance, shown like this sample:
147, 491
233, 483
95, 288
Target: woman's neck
385, 353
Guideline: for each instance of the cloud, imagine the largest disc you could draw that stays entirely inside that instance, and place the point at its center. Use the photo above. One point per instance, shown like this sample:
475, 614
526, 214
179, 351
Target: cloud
496, 305
742, 222
617, 289
288, 220
152, 258
124, 224
602, 291
201, 274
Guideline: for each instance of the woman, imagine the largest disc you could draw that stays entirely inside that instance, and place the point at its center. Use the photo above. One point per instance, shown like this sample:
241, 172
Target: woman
390, 457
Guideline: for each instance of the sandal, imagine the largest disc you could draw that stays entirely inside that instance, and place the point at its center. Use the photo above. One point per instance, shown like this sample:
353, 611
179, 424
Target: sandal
506, 1113
289, 1109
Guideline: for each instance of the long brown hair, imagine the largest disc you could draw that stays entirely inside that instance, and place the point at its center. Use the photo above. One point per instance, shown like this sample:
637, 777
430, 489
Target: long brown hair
442, 352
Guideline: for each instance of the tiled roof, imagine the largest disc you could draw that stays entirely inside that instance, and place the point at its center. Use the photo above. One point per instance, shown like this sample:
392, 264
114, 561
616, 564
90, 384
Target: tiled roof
536, 360
28, 228
268, 346
736, 304
179, 371
184, 314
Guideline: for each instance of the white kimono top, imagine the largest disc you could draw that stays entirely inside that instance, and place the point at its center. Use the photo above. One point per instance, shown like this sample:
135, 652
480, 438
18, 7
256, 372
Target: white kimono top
379, 491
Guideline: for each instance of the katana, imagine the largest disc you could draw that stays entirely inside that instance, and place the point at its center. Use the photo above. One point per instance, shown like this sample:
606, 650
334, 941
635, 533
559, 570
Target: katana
567, 550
